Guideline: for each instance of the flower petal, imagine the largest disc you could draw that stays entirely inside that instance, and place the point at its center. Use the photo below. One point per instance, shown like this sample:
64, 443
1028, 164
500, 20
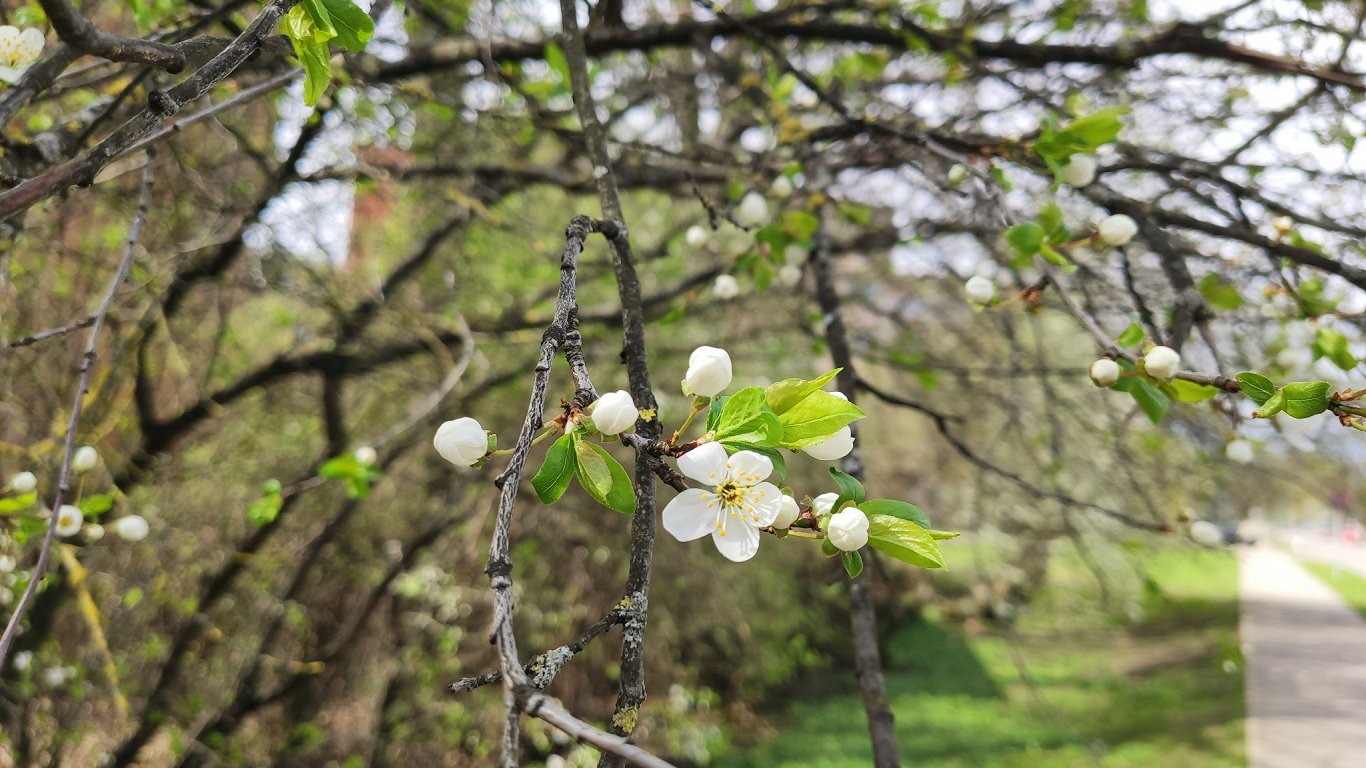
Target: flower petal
766, 501
691, 515
738, 541
748, 467
706, 464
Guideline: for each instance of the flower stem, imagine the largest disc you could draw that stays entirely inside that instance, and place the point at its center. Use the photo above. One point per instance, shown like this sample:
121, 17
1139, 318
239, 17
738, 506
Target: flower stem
699, 404
538, 439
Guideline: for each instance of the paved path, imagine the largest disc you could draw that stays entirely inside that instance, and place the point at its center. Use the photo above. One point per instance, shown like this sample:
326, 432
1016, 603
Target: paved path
1306, 667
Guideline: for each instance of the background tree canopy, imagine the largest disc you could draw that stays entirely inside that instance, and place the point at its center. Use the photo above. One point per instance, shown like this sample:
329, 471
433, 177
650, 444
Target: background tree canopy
250, 241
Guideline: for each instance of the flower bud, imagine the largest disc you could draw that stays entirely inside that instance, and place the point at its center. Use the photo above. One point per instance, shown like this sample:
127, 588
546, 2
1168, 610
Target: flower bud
69, 520
980, 290
614, 413
7, 564
1161, 362
1079, 171
1239, 451
84, 459
696, 236
131, 528
848, 529
726, 287
795, 253
24, 482
94, 532
789, 275
837, 446
1117, 230
821, 504
22, 660
958, 173
366, 455
781, 188
1283, 225
708, 373
1207, 533
462, 442
1104, 372
788, 512
752, 211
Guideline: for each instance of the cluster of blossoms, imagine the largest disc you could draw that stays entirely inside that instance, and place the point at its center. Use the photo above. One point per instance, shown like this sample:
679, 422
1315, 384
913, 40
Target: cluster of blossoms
18, 50
1160, 362
71, 519
752, 213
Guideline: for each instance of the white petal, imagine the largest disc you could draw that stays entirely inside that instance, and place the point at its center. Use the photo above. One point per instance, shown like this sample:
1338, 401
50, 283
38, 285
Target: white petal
706, 464
766, 502
738, 541
748, 467
689, 517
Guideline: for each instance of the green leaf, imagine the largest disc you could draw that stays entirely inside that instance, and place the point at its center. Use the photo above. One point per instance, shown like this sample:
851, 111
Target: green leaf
354, 27
323, 30
1272, 406
1257, 387
816, 418
341, 467
800, 225
554, 57
96, 504
18, 503
1334, 346
1025, 238
311, 52
604, 478
1050, 220
1188, 391
1132, 336
1153, 401
714, 409
1306, 398
746, 418
851, 490
904, 540
265, 509
828, 549
894, 508
1220, 293
853, 563
558, 469
1098, 128
856, 214
784, 394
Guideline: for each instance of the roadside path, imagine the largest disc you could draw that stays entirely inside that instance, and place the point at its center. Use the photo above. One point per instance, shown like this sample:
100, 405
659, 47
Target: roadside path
1305, 655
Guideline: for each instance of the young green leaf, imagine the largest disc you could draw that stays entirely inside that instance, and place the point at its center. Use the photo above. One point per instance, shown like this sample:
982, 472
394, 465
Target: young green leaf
353, 26
853, 563
850, 489
96, 504
1257, 387
1334, 346
1306, 398
1132, 336
1153, 401
816, 418
784, 394
604, 478
17, 503
1188, 391
323, 29
894, 508
299, 27
1025, 238
1220, 293
1271, 406
746, 418
904, 540
559, 468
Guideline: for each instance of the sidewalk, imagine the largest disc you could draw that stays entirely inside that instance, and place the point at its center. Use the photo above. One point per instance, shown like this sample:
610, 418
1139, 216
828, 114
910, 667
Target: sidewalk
1305, 651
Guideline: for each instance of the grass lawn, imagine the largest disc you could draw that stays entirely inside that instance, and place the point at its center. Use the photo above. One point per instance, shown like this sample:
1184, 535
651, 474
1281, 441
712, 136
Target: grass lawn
1070, 686
1351, 586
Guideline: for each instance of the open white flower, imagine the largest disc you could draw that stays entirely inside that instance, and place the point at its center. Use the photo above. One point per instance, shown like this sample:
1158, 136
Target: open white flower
461, 441
696, 236
788, 512
84, 459
24, 482
709, 372
781, 188
848, 529
821, 504
837, 446
726, 287
732, 505
1240, 451
131, 528
980, 290
69, 520
1080, 170
1117, 230
1104, 372
615, 412
18, 50
1161, 362
752, 210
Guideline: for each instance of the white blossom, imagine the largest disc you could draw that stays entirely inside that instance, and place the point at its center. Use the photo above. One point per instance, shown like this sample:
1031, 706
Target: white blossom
789, 274
848, 529
1161, 362
614, 413
56, 677
1207, 533
788, 512
1283, 224
366, 455
18, 50
752, 211
795, 253
980, 290
131, 528
1104, 372
726, 287
1117, 229
821, 505
732, 505
7, 563
94, 532
1079, 171
958, 173
708, 373
837, 446
696, 236
23, 482
84, 459
462, 441
22, 660
781, 188
1239, 451
69, 520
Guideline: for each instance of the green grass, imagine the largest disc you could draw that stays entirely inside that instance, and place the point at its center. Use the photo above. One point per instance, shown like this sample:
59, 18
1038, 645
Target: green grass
1351, 586
1070, 686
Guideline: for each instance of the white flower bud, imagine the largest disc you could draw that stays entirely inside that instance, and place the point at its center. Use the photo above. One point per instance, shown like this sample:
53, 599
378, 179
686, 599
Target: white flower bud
752, 211
708, 373
1239, 451
24, 482
837, 446
1207, 533
696, 236
781, 188
821, 504
131, 528
1104, 372
848, 529
726, 287
69, 520
788, 512
980, 290
7, 564
84, 459
614, 413
1161, 362
789, 275
94, 532
795, 253
1283, 224
1117, 230
958, 173
1079, 171
462, 442
366, 455
22, 660
55, 677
